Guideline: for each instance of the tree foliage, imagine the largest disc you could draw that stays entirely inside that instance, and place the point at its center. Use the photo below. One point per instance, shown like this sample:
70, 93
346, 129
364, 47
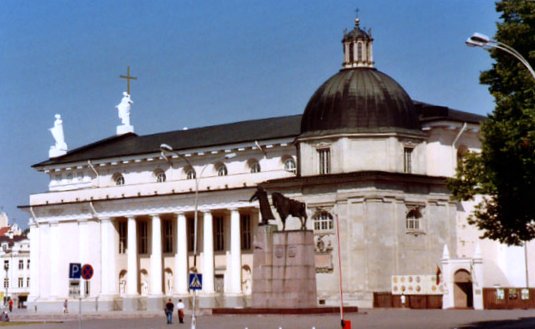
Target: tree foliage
504, 172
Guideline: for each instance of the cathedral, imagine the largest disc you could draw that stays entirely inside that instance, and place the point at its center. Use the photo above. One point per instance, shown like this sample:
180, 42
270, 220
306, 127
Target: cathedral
368, 161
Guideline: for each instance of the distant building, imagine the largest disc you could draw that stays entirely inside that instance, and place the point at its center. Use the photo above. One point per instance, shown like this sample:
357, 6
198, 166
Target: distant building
15, 262
363, 156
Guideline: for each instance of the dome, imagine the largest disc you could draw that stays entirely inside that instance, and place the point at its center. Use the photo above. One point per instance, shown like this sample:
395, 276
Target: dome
359, 100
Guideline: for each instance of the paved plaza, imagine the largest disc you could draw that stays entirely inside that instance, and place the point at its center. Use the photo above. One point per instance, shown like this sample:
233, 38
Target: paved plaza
374, 318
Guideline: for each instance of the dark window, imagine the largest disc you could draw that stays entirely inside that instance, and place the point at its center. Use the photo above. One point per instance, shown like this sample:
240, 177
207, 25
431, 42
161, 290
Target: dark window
407, 159
122, 236
143, 237
324, 161
167, 236
191, 233
21, 264
219, 234
245, 223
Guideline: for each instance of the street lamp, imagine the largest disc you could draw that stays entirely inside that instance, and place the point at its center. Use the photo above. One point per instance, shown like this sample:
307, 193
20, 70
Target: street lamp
166, 148
483, 41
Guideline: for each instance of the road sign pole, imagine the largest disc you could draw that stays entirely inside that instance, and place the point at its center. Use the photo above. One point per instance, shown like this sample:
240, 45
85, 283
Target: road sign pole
80, 312
193, 320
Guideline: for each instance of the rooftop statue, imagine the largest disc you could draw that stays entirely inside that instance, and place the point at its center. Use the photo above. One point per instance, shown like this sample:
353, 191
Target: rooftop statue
124, 109
60, 148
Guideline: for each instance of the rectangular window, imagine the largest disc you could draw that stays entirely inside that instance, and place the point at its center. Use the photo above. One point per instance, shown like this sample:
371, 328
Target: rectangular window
123, 236
407, 159
324, 161
167, 236
6, 283
245, 228
190, 223
28, 264
28, 282
219, 234
21, 264
323, 222
21, 282
6, 264
143, 228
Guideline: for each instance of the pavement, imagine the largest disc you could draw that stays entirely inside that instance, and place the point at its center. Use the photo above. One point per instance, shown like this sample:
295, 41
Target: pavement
368, 318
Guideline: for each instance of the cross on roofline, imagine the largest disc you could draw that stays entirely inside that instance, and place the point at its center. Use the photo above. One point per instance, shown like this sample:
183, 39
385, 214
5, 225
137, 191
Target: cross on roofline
128, 77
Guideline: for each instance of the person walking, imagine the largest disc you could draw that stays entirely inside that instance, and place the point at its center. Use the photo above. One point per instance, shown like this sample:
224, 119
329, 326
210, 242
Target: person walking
66, 306
180, 309
10, 305
169, 307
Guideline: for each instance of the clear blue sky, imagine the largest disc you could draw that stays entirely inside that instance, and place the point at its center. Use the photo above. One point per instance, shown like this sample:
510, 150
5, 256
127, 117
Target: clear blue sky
201, 63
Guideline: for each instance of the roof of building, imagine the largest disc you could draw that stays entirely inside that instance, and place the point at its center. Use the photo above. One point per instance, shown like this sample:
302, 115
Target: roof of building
359, 100
224, 134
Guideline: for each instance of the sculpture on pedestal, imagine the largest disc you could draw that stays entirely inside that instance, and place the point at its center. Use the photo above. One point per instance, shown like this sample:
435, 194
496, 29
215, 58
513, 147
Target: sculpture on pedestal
286, 206
123, 110
265, 208
60, 148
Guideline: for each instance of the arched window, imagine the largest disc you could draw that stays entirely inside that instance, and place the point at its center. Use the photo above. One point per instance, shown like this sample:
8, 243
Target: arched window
289, 165
222, 170
412, 220
323, 221
160, 176
254, 166
118, 179
351, 55
190, 173
359, 52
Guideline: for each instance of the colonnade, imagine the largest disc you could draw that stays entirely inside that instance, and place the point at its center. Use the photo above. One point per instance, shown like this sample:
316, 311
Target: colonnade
180, 269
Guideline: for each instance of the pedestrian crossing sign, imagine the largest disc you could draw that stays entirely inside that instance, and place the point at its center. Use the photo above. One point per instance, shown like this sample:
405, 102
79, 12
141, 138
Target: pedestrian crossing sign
195, 281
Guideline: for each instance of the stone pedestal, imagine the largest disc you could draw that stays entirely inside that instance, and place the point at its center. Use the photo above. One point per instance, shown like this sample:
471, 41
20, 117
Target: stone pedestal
284, 273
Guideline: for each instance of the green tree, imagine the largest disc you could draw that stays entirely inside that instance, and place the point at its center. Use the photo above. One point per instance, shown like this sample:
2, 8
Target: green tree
504, 172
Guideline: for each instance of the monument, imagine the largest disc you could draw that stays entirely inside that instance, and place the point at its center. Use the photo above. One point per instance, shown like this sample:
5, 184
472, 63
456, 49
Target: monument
284, 274
124, 106
60, 147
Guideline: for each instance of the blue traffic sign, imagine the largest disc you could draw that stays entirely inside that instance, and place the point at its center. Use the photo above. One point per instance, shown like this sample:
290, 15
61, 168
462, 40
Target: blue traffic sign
75, 270
195, 281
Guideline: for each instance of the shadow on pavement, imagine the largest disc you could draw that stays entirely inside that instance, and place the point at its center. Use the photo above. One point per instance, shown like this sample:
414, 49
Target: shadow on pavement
522, 323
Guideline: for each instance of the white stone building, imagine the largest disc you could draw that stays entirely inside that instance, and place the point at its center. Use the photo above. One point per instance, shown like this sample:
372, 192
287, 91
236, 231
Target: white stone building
15, 271
363, 154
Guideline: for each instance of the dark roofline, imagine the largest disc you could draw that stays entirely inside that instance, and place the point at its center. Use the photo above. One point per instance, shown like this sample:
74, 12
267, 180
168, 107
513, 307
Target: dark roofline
131, 144
216, 135
430, 113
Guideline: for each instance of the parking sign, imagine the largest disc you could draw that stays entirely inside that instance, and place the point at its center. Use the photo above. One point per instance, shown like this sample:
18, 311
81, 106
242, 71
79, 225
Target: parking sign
75, 270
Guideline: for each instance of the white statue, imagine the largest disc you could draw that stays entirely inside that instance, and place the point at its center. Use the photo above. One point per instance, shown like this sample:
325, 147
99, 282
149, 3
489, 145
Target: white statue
124, 109
60, 148
124, 114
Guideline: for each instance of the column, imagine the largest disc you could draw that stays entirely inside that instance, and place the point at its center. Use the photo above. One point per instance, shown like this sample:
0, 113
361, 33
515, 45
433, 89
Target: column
55, 254
180, 274
156, 257
208, 254
34, 262
131, 276
235, 252
83, 238
108, 251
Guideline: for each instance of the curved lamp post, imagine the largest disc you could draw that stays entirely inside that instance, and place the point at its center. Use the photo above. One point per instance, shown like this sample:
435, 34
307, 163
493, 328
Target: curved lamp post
483, 41
166, 148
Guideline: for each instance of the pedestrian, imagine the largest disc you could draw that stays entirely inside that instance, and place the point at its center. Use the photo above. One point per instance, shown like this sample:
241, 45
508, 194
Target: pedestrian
169, 307
66, 306
180, 308
10, 305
